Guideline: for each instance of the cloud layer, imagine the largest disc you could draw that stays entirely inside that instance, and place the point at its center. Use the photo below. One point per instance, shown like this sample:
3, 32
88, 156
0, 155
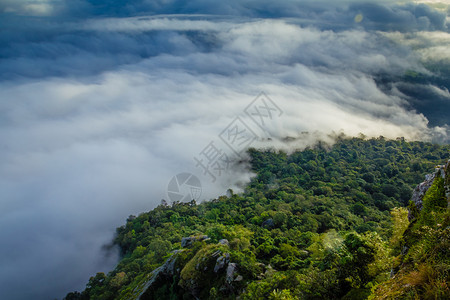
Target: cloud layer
100, 105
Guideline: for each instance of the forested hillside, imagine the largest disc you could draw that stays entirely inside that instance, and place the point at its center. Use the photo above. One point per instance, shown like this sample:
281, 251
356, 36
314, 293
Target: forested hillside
323, 223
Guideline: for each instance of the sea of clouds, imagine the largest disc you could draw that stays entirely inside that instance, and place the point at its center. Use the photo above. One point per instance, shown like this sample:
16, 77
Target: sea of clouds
102, 102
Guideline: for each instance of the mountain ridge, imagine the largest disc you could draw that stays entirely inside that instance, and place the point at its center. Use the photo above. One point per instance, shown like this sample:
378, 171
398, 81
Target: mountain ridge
319, 223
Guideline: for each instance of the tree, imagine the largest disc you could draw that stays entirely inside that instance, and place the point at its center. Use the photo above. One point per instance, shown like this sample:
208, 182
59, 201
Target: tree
359, 209
357, 254
399, 216
118, 280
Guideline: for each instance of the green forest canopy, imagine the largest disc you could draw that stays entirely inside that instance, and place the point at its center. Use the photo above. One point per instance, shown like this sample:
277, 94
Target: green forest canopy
322, 223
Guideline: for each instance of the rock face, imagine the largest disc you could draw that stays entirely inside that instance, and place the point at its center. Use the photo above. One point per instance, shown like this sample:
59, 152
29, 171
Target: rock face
422, 188
188, 241
194, 272
231, 270
447, 182
420, 191
167, 270
224, 242
221, 262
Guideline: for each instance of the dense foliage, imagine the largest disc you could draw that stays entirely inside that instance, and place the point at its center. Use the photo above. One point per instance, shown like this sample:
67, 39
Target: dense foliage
423, 271
322, 223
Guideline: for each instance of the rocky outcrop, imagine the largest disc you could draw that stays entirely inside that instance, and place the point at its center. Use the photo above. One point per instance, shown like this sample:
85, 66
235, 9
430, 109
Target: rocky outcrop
422, 188
224, 242
166, 271
195, 271
206, 267
189, 241
231, 271
221, 262
447, 182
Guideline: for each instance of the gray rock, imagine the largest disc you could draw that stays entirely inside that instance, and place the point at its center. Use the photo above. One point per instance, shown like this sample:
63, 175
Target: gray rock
224, 242
231, 270
188, 241
422, 188
447, 182
167, 270
216, 253
221, 262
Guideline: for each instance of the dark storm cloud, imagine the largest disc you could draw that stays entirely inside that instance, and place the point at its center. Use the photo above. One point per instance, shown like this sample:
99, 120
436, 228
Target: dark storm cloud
31, 42
429, 100
73, 51
102, 102
380, 14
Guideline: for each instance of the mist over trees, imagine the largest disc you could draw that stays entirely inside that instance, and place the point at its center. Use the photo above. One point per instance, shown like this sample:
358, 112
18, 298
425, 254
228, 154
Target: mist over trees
322, 223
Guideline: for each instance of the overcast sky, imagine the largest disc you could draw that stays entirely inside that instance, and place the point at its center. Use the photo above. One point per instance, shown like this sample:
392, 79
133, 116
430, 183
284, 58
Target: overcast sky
103, 102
